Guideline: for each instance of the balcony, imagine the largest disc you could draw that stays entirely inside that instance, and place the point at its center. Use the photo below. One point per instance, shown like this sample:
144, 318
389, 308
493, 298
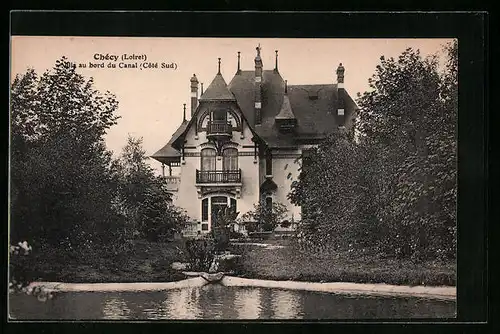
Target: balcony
219, 130
173, 182
218, 176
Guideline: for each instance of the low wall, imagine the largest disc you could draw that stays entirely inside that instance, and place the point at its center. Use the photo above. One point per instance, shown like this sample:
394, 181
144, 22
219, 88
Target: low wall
103, 287
432, 292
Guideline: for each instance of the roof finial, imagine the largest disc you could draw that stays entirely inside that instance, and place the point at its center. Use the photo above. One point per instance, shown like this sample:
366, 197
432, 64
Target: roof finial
202, 88
258, 51
184, 115
218, 72
286, 86
238, 61
276, 67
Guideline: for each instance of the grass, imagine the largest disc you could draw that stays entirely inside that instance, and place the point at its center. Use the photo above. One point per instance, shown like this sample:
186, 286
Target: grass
145, 262
289, 263
151, 262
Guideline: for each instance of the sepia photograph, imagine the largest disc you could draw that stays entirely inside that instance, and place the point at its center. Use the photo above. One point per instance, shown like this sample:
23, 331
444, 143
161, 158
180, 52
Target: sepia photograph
198, 178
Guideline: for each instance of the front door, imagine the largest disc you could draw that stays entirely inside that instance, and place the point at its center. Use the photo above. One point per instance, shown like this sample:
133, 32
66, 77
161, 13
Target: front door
219, 205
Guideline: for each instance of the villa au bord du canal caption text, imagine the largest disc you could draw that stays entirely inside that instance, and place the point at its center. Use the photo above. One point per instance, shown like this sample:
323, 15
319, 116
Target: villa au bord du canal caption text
125, 61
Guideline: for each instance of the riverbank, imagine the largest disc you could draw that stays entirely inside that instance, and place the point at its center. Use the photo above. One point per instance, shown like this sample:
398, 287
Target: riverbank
290, 263
152, 262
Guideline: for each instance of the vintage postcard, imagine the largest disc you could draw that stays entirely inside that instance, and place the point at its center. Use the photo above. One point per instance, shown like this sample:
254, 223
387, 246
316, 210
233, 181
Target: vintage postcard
232, 178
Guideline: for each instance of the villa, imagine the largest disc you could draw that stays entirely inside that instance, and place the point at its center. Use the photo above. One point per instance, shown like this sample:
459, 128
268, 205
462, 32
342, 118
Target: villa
244, 141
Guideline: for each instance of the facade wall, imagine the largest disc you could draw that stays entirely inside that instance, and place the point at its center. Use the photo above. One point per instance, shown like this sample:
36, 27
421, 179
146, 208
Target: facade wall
188, 198
285, 171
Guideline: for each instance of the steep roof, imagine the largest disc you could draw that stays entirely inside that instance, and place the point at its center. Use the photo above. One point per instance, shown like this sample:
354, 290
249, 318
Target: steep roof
313, 106
217, 91
167, 153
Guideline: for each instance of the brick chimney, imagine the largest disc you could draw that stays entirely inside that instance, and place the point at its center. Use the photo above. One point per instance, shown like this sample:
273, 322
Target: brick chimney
258, 87
340, 95
194, 94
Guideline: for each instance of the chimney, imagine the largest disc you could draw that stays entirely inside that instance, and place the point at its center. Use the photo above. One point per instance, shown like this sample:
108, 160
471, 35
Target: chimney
340, 94
258, 83
238, 71
340, 76
194, 94
276, 63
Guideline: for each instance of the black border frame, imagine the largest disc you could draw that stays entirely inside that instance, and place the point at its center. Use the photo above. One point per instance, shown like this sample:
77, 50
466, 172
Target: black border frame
471, 30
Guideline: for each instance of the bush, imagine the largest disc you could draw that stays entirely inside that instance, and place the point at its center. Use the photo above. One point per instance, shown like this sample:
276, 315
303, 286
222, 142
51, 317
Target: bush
200, 253
263, 217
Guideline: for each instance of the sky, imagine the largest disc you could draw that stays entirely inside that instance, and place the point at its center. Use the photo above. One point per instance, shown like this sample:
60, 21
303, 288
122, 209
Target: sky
151, 99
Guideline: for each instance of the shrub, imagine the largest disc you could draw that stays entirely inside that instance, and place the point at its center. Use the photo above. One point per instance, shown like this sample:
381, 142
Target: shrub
200, 253
266, 217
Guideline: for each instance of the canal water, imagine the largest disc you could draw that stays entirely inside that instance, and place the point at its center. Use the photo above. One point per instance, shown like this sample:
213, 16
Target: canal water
215, 301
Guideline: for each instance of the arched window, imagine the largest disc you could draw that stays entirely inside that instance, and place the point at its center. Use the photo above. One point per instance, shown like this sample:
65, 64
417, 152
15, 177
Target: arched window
230, 161
207, 159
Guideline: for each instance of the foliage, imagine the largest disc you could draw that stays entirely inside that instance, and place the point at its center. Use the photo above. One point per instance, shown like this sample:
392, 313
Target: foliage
266, 218
221, 227
61, 182
143, 197
330, 191
19, 274
201, 253
394, 189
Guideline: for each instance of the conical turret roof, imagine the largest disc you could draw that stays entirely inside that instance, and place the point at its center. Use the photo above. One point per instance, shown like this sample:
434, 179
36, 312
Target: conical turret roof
217, 91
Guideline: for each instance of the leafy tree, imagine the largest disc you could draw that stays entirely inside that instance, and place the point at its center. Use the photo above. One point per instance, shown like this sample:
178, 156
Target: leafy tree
62, 185
266, 217
329, 191
409, 116
143, 197
394, 189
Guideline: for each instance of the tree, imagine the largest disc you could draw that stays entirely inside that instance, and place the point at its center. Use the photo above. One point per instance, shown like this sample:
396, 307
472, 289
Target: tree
393, 190
410, 118
62, 185
329, 191
266, 217
143, 197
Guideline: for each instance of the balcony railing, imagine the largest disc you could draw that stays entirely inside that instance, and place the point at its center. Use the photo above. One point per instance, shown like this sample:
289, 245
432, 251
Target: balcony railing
173, 182
218, 176
219, 128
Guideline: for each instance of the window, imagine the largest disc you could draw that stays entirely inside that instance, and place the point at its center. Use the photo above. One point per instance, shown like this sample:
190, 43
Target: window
204, 210
230, 161
269, 164
220, 116
233, 205
269, 203
204, 227
207, 159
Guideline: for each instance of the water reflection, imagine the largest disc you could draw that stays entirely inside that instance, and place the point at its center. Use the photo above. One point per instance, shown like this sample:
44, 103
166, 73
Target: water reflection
181, 304
219, 302
115, 308
247, 303
285, 304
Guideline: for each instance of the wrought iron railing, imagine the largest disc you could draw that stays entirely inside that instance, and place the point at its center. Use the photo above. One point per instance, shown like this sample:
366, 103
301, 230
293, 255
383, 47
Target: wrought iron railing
214, 127
218, 176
